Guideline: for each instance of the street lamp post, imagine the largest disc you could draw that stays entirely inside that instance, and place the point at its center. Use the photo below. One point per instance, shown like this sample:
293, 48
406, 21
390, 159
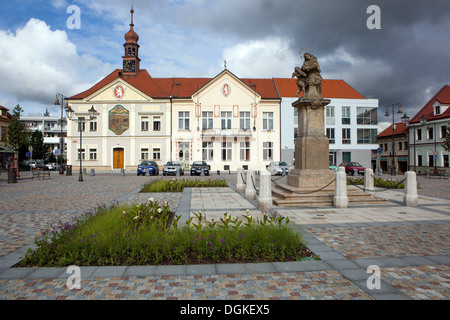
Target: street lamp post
61, 139
81, 120
392, 106
405, 120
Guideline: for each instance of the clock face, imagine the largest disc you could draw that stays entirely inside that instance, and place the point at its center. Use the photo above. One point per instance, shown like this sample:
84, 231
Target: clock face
128, 66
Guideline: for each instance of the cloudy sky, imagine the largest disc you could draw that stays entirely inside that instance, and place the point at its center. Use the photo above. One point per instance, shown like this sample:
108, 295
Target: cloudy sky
405, 61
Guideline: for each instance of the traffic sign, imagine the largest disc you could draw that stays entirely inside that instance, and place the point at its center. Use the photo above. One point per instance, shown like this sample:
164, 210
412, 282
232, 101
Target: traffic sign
56, 151
28, 154
379, 150
435, 152
435, 156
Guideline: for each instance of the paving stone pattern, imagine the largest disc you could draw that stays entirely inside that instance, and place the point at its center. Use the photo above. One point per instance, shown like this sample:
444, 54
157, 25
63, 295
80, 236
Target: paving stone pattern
410, 245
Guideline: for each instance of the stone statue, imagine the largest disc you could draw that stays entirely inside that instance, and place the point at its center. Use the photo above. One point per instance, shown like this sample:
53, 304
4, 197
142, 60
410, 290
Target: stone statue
309, 79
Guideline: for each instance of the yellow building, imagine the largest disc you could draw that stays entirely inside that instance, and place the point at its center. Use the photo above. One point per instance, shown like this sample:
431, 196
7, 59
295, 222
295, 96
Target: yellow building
227, 121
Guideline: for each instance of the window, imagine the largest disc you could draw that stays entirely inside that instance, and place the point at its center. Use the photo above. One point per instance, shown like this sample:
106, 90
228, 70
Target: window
437, 110
446, 164
365, 115
93, 126
245, 151
267, 120
225, 119
345, 115
330, 115
295, 117
183, 120
267, 151
226, 151
443, 131
295, 132
156, 154
207, 151
92, 154
385, 147
82, 154
244, 120
346, 156
81, 125
144, 154
430, 132
207, 120
144, 123
419, 134
400, 145
419, 160
330, 135
156, 123
431, 160
3, 134
367, 136
346, 138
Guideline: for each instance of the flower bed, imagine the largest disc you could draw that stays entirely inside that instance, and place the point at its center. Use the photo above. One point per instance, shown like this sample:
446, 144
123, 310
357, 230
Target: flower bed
178, 185
149, 234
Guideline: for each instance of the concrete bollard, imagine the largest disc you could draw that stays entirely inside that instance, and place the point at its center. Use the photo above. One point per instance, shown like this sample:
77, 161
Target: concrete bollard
92, 173
368, 180
265, 191
340, 192
250, 192
240, 186
410, 198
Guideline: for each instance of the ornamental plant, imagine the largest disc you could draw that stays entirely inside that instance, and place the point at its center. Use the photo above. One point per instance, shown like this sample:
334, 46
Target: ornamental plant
149, 234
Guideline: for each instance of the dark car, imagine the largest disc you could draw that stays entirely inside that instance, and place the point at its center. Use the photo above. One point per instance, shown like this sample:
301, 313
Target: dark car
351, 166
150, 167
198, 167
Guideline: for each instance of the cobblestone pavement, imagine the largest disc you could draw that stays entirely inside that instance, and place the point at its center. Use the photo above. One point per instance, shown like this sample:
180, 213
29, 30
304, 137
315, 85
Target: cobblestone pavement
410, 246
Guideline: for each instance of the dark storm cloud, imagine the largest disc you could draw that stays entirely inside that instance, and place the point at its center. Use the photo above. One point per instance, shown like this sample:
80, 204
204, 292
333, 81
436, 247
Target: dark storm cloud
412, 47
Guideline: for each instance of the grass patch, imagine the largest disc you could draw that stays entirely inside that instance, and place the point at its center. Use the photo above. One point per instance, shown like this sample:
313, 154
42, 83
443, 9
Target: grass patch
178, 185
149, 234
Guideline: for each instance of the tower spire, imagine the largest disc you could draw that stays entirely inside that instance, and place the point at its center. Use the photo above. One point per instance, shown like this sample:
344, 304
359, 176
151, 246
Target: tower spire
131, 58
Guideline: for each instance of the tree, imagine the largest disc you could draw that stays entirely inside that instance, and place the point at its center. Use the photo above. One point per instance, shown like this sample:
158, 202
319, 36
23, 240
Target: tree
17, 133
446, 143
37, 142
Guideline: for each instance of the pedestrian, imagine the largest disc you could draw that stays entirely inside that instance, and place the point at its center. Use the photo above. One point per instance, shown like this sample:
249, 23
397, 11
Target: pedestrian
8, 164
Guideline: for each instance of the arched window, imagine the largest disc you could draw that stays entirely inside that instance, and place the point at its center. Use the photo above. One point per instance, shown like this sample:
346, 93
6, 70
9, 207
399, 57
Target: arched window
134, 52
129, 51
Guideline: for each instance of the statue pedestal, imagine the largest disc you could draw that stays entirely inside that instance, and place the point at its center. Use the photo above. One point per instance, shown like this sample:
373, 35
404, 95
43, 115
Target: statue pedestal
311, 146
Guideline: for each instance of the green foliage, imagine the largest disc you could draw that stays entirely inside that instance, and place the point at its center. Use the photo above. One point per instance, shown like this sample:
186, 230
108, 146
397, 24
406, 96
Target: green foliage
377, 182
146, 235
17, 134
176, 185
37, 142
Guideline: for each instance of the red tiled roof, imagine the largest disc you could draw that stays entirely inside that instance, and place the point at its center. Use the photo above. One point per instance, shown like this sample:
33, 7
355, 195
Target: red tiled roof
176, 87
337, 89
442, 96
400, 128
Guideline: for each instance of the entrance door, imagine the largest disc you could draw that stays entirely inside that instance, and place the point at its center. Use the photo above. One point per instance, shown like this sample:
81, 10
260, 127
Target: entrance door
183, 153
118, 158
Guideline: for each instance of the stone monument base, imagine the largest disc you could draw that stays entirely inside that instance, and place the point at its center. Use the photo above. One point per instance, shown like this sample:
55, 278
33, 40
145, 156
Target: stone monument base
311, 179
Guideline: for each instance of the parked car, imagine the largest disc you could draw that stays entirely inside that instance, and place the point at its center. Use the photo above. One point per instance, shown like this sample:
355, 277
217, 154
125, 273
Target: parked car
150, 167
198, 167
333, 167
278, 168
52, 166
173, 167
351, 166
37, 164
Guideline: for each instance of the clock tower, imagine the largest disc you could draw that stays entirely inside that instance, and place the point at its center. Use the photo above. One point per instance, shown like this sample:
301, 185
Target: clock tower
131, 58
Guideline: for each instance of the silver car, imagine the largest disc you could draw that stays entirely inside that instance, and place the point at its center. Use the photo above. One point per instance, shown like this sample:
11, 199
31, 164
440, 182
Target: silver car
173, 168
278, 168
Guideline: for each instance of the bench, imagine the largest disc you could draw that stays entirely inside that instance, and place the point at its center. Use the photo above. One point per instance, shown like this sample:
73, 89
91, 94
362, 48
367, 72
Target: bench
40, 173
435, 173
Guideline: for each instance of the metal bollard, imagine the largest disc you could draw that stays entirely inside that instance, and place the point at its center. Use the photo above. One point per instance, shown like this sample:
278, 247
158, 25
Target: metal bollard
122, 172
92, 173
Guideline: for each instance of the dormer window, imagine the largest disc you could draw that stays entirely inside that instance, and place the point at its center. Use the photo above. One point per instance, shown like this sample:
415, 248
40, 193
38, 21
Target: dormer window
437, 110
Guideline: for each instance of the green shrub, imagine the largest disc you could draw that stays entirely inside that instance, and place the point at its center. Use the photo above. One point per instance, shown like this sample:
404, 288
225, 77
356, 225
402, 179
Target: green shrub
178, 185
377, 182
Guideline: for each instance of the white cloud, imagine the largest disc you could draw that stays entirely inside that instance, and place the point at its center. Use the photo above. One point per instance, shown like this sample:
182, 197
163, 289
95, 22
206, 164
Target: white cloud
270, 57
39, 62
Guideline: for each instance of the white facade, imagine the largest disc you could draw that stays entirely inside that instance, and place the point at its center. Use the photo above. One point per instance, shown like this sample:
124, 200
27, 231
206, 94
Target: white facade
350, 124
